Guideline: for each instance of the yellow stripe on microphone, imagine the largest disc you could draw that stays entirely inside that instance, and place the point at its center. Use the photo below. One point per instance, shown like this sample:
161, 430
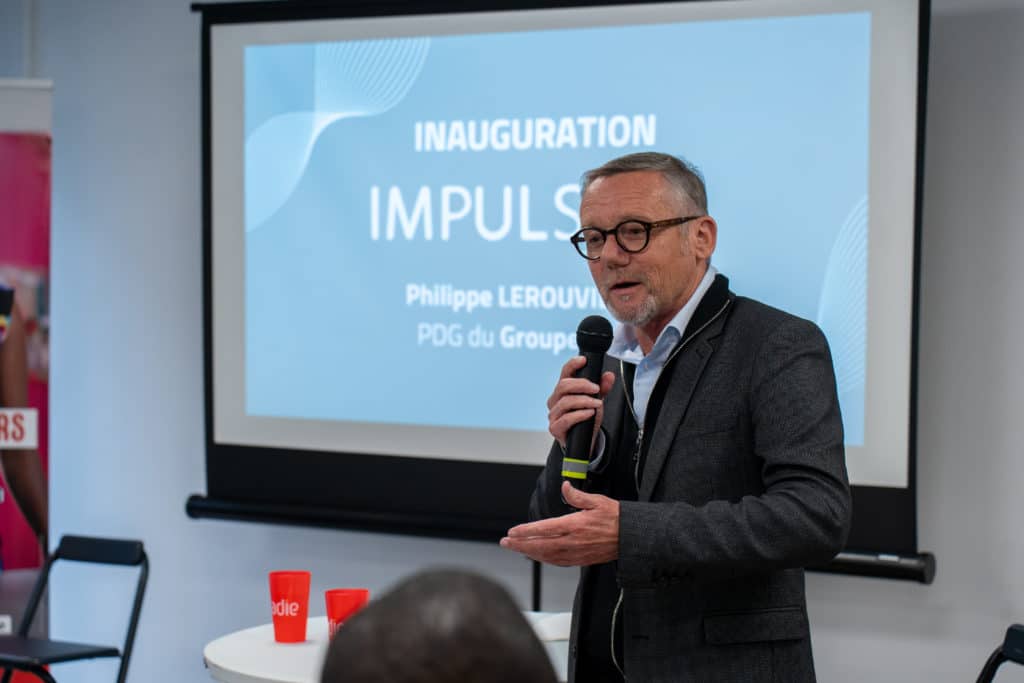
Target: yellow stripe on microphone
574, 468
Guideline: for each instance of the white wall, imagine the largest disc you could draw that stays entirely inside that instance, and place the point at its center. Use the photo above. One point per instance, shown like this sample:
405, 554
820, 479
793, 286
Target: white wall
970, 464
127, 445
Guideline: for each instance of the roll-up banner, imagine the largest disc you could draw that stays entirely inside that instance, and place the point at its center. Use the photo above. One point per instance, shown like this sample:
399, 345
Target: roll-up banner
25, 144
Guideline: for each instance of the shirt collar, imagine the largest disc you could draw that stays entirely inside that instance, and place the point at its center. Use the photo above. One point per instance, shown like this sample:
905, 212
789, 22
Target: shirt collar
625, 345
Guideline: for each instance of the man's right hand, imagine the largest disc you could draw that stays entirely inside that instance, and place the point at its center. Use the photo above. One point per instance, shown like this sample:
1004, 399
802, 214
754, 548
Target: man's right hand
576, 399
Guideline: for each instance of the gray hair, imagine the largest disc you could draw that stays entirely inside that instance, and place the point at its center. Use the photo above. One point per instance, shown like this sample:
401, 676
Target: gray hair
682, 175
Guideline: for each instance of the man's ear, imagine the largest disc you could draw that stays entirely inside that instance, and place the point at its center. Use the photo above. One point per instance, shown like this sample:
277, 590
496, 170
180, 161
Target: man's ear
704, 236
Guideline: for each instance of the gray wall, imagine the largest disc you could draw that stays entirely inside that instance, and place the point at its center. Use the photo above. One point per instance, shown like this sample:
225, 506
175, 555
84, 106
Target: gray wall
13, 17
127, 444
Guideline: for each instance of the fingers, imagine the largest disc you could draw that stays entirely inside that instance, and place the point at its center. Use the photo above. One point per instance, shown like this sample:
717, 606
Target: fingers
571, 366
575, 399
553, 527
567, 384
545, 541
547, 550
571, 411
579, 499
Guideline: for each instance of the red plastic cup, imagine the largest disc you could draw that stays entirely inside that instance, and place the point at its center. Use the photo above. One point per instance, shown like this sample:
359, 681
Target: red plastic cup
343, 603
289, 605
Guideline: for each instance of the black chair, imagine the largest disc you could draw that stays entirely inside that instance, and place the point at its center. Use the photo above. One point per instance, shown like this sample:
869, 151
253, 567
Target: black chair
33, 654
1012, 650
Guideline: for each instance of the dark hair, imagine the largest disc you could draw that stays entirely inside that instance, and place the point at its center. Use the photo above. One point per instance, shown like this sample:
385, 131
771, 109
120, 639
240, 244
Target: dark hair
439, 626
682, 175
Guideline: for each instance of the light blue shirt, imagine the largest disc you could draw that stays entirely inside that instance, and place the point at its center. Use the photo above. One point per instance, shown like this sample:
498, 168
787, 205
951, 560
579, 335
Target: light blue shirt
625, 346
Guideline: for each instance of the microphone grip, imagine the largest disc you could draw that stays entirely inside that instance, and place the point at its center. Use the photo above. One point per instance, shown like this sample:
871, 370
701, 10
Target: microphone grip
578, 440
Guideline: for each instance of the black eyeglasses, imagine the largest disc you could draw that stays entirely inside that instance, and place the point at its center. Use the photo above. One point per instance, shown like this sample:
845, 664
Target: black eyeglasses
632, 236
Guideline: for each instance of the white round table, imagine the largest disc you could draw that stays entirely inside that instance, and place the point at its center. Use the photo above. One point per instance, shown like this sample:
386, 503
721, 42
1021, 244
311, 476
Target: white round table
252, 656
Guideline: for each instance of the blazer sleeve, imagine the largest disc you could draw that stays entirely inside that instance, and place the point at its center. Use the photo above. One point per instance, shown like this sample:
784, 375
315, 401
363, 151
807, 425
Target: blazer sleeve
800, 516
546, 500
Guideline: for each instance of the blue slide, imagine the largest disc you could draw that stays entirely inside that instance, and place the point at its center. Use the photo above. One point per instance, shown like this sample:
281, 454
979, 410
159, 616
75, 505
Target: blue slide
408, 202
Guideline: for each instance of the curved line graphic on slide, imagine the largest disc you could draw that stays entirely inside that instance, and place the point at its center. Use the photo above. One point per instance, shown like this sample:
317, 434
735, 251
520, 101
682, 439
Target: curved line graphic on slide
842, 308
358, 78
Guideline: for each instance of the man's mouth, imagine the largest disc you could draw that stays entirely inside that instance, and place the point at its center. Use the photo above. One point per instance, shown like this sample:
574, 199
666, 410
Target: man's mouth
624, 286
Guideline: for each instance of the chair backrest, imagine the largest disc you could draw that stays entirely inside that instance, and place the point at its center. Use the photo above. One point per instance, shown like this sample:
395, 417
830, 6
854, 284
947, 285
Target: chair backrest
96, 551
100, 550
1012, 650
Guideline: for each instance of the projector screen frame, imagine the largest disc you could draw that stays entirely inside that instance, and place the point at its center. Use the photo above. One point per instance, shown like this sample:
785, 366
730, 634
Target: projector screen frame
461, 499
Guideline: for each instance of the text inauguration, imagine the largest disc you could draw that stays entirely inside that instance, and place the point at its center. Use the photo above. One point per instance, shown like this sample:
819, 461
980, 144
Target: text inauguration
567, 132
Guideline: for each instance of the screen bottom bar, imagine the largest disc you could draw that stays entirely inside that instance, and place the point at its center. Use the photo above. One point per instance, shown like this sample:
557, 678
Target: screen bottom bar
918, 567
436, 526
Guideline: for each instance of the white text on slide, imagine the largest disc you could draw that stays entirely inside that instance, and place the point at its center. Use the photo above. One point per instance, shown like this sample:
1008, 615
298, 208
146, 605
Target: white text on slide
540, 297
457, 336
410, 219
543, 132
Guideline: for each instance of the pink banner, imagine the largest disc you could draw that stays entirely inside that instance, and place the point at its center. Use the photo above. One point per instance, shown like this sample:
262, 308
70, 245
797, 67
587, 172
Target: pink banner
24, 350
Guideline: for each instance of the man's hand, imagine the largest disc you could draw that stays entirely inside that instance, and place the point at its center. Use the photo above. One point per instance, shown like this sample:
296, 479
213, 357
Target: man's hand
576, 399
590, 536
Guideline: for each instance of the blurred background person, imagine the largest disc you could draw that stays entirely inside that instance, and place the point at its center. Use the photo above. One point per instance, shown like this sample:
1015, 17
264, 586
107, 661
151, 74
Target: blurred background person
439, 626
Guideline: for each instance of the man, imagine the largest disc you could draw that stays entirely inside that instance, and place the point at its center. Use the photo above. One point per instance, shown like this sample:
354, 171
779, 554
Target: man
439, 626
718, 471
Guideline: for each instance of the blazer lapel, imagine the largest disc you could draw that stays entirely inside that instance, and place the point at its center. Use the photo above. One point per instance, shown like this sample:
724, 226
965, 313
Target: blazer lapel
685, 372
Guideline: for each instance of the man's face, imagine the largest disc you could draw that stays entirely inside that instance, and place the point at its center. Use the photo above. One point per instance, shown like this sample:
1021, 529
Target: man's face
648, 288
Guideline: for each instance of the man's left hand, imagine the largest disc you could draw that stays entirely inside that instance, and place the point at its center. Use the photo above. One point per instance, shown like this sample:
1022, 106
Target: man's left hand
590, 536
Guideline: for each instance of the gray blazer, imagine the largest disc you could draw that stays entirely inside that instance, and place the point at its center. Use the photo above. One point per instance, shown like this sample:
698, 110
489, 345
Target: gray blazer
744, 483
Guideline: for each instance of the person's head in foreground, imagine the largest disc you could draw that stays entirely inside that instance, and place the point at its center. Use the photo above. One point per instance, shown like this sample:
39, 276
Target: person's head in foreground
439, 626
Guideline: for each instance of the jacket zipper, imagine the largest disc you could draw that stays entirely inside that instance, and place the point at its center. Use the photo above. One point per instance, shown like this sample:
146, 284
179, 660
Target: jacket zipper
629, 400
637, 451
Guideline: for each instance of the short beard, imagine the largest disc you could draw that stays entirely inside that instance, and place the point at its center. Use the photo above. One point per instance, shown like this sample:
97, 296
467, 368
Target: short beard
640, 316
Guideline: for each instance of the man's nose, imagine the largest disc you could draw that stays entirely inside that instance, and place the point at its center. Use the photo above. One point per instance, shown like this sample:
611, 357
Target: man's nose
612, 253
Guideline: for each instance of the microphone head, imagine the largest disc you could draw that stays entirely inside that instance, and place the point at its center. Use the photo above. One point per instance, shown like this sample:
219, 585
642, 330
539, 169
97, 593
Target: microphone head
594, 335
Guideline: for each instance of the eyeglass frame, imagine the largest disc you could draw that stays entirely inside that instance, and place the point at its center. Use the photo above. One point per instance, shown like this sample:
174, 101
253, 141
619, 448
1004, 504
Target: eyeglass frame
648, 226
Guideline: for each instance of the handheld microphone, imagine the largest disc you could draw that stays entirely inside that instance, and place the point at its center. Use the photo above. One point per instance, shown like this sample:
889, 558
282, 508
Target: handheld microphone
594, 336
